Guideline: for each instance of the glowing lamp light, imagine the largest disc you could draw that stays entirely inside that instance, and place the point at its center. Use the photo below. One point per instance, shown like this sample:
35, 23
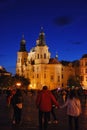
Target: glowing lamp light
18, 84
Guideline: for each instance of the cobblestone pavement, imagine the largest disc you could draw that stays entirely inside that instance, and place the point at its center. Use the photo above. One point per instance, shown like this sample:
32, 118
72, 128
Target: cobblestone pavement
30, 116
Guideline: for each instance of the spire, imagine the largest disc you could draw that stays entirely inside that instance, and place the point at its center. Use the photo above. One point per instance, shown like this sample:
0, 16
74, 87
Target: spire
56, 57
41, 39
42, 29
22, 44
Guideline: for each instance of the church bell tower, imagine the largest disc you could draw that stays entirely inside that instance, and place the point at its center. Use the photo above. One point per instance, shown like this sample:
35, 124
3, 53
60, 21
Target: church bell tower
21, 57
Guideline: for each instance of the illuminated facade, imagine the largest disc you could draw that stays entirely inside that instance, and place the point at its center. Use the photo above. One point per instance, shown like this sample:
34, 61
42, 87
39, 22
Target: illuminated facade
40, 68
83, 71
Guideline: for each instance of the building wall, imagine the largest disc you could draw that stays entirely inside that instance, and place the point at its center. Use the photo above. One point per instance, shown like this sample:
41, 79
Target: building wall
83, 72
21, 60
44, 74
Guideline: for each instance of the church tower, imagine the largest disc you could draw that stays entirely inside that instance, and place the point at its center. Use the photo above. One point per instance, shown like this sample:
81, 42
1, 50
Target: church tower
21, 57
42, 53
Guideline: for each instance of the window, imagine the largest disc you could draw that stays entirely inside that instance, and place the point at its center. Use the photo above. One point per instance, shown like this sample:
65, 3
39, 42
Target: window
37, 56
62, 76
44, 55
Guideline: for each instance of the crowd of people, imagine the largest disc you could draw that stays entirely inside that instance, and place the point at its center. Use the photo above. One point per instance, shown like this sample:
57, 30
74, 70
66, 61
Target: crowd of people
46, 103
15, 99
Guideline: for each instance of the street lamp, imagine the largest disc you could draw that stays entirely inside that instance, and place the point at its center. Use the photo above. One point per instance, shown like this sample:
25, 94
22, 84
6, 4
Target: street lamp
18, 84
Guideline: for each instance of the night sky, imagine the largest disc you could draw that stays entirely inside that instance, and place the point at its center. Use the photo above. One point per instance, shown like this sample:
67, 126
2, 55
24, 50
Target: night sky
64, 23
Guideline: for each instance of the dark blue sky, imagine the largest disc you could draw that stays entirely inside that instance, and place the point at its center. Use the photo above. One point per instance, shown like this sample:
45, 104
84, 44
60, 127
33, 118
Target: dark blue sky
64, 23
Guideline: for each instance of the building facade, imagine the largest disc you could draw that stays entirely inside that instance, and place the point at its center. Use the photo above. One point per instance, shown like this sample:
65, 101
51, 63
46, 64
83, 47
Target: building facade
83, 71
40, 68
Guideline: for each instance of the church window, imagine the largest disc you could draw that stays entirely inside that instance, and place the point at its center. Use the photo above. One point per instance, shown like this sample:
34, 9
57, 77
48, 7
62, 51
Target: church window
62, 76
44, 55
37, 56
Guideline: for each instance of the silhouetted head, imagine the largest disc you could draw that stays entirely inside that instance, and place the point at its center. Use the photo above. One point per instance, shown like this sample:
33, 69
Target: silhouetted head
45, 87
18, 92
73, 93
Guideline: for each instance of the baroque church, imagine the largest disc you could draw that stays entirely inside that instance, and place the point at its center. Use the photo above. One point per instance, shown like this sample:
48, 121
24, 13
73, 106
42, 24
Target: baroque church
38, 66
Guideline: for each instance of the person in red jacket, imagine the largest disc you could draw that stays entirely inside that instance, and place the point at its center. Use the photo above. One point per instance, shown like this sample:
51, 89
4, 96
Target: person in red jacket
44, 101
